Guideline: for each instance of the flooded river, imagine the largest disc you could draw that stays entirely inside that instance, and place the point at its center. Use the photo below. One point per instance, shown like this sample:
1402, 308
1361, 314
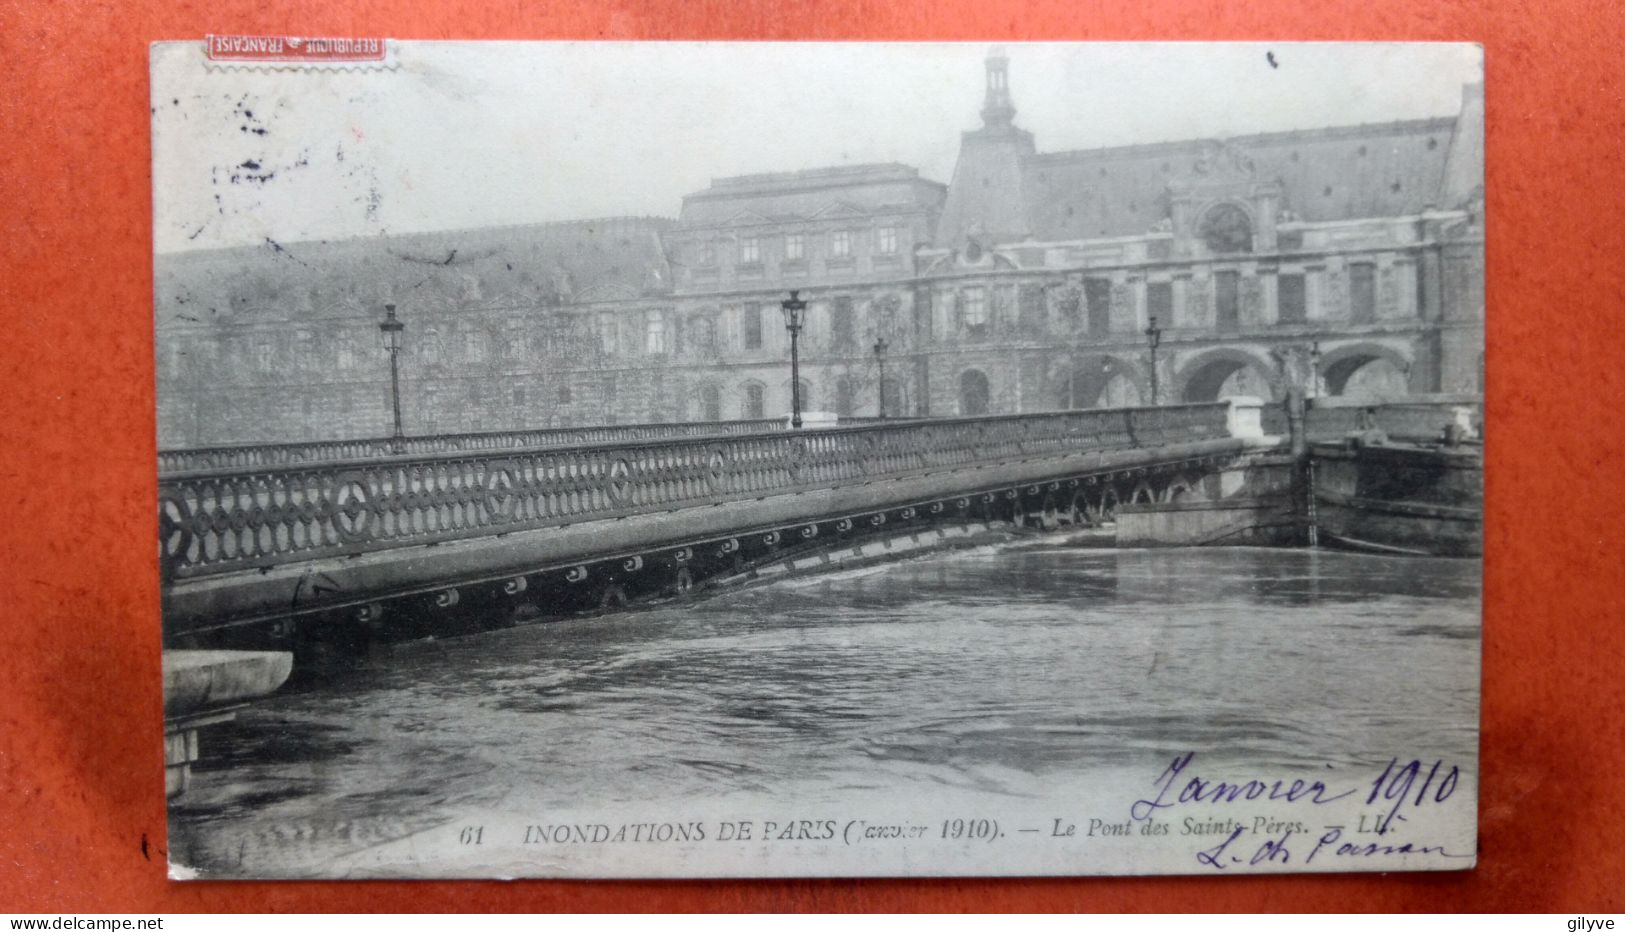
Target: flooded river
1001, 672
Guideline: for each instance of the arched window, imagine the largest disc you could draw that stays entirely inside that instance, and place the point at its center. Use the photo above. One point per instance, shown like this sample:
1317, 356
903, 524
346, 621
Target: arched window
973, 393
1227, 228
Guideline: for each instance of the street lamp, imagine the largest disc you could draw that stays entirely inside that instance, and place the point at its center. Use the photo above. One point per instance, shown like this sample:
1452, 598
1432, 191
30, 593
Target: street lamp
1153, 339
1314, 369
795, 315
391, 328
880, 357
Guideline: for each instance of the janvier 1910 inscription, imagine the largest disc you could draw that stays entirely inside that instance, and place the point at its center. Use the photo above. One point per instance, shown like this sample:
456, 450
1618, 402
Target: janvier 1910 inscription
617, 459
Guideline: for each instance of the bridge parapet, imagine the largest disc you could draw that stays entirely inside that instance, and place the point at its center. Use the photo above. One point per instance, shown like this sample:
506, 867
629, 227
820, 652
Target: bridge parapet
252, 455
1420, 418
226, 520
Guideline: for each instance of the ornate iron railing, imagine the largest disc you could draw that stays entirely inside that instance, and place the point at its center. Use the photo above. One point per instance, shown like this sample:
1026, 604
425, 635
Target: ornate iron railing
249, 455
216, 521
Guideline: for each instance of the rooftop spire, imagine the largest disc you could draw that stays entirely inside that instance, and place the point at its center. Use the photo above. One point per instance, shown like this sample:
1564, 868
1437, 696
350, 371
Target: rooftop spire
997, 110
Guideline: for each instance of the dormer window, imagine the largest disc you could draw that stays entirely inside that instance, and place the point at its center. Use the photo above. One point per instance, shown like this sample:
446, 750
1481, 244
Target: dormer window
1227, 228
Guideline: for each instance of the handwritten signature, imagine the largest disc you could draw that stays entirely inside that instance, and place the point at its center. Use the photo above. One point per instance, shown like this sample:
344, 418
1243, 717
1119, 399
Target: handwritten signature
1279, 850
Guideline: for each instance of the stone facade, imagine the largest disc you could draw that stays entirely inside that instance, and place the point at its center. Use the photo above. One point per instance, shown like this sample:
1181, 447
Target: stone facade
1026, 284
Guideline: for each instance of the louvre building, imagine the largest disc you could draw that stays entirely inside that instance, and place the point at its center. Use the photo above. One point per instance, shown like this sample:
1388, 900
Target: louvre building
1344, 259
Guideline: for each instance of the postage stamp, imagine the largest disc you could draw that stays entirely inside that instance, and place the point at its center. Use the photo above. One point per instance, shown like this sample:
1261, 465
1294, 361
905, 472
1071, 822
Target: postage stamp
865, 459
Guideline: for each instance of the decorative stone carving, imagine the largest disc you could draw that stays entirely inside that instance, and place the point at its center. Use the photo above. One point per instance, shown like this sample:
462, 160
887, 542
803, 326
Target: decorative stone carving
1068, 305
1220, 158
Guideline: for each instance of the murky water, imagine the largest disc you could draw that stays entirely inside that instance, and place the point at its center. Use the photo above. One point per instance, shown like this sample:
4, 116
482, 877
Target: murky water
1001, 671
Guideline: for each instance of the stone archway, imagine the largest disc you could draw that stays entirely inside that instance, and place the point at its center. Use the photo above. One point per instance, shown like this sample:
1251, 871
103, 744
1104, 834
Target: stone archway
1367, 370
1224, 373
1098, 382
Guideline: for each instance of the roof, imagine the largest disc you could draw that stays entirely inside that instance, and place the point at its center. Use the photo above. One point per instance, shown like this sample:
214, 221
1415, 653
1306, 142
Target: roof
523, 266
802, 195
1340, 173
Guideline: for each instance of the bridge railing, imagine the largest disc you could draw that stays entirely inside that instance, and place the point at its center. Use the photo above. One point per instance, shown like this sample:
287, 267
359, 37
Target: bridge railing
224, 520
1421, 419
249, 455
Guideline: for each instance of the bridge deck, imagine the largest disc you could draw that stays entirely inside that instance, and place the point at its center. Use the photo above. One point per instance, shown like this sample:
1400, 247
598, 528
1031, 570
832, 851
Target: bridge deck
259, 542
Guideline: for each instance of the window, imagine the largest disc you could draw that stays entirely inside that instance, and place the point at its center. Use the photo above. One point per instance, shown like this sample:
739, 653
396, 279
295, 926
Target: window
263, 354
1292, 307
711, 403
749, 250
1030, 310
708, 253
843, 397
753, 407
346, 354
608, 335
473, 347
1362, 292
973, 308
840, 243
564, 394
519, 397
1226, 229
702, 336
795, 247
888, 240
1097, 292
841, 336
751, 326
1159, 302
1227, 295
974, 393
655, 333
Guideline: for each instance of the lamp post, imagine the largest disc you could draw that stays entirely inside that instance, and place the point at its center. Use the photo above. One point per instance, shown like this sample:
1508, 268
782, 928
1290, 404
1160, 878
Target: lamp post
1153, 339
880, 357
1314, 369
795, 315
391, 329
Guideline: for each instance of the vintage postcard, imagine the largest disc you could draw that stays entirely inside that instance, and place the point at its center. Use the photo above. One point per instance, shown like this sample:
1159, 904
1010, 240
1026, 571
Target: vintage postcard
865, 459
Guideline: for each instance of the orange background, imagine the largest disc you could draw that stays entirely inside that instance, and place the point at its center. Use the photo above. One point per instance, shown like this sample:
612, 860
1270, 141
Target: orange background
81, 781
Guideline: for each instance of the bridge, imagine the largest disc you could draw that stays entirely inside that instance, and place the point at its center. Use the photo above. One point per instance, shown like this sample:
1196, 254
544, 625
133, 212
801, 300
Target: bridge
343, 543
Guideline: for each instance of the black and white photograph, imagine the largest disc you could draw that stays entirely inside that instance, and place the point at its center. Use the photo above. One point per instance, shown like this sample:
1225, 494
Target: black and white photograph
714, 459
